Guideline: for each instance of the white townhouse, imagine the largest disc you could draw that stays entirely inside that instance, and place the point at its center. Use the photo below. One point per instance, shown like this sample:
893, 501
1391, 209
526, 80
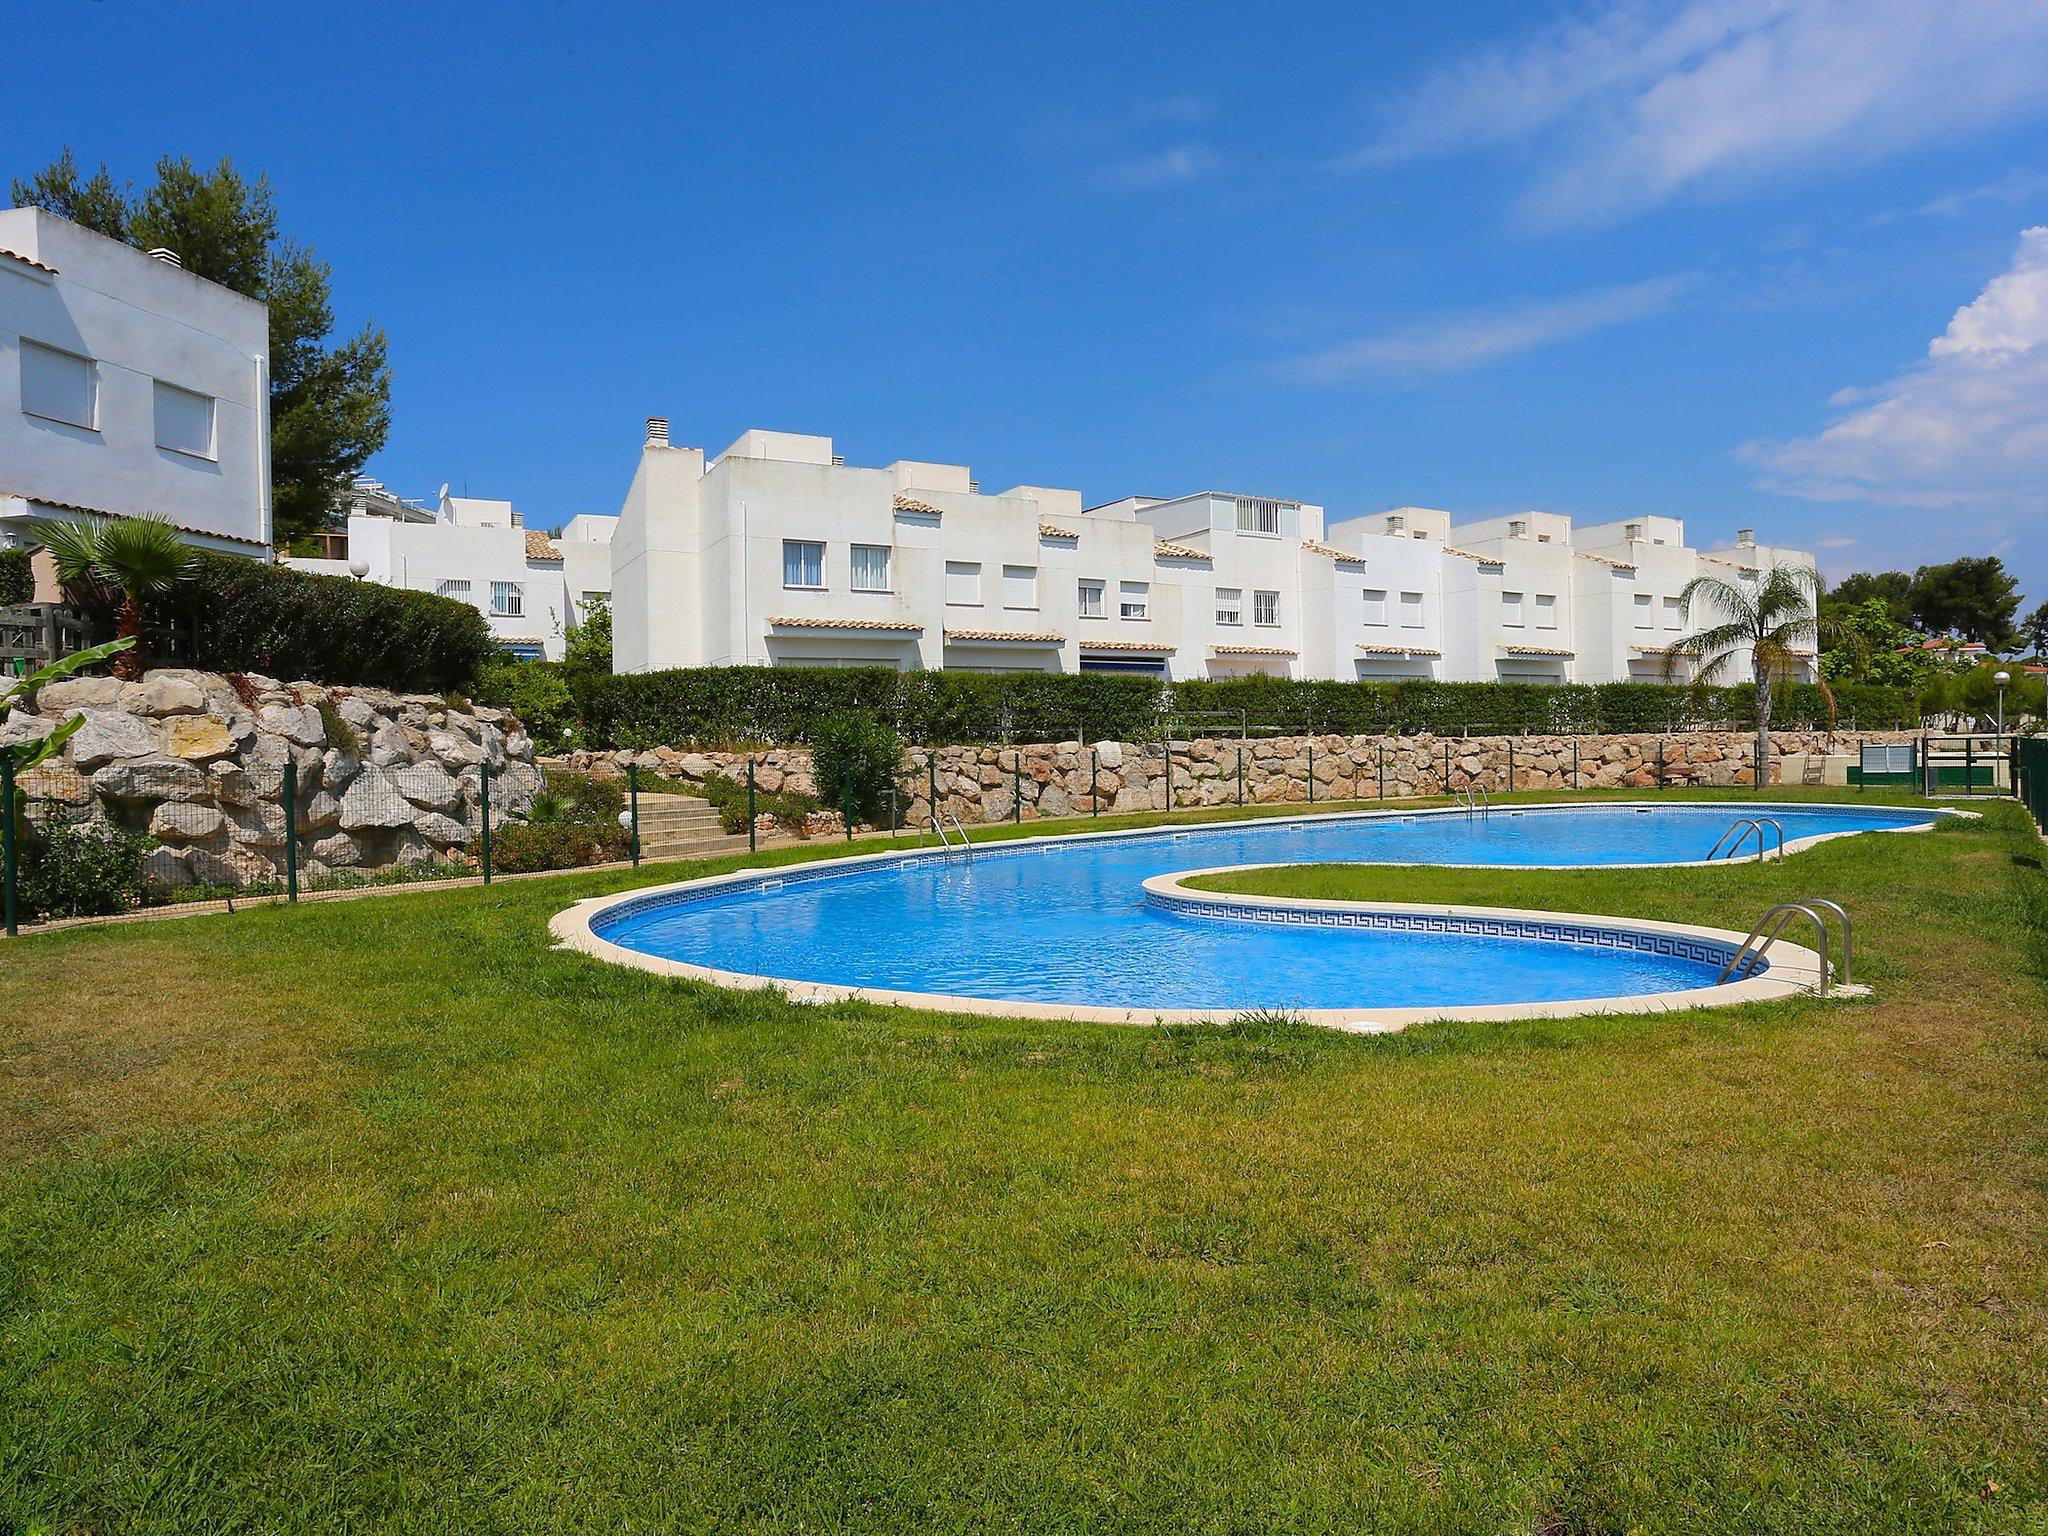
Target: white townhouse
777, 553
128, 386
531, 588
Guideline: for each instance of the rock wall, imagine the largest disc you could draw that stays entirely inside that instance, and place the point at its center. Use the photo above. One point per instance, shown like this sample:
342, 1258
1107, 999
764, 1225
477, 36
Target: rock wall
197, 761
982, 784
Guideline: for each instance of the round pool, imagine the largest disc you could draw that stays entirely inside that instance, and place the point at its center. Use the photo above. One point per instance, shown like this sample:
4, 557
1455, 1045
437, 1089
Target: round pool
1067, 925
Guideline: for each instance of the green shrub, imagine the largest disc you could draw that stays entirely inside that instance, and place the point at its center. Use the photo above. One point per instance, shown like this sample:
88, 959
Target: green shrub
728, 797
537, 692
574, 821
83, 871
17, 578
255, 617
854, 758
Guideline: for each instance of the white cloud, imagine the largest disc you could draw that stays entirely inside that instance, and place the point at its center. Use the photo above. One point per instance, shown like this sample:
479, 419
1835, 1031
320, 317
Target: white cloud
1168, 168
1635, 101
1967, 428
2007, 191
1476, 338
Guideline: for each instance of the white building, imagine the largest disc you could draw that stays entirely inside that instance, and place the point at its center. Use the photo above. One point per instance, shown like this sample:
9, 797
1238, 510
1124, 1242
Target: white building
777, 553
128, 386
532, 589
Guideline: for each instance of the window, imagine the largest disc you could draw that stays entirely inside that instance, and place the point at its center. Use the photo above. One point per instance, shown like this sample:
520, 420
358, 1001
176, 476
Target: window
1376, 605
1411, 610
59, 386
1230, 605
459, 590
596, 597
963, 582
1091, 600
1134, 599
1020, 586
870, 567
1546, 610
184, 420
1644, 617
803, 563
1511, 609
1257, 514
1265, 607
508, 600
1674, 613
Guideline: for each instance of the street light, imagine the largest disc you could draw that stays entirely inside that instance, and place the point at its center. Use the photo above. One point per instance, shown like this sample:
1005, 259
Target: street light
2001, 678
359, 567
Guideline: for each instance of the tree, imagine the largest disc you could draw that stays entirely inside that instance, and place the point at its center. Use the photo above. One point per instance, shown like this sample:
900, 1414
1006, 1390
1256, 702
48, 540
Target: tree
1863, 644
1769, 614
2034, 627
330, 405
124, 564
1975, 597
589, 646
1892, 588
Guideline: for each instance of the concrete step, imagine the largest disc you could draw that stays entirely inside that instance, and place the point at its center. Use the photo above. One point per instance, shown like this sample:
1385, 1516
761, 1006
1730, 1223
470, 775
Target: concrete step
715, 846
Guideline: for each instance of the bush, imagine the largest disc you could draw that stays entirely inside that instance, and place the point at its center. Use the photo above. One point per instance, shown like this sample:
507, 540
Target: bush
574, 821
791, 811
854, 758
83, 871
538, 693
17, 578
732, 706
255, 617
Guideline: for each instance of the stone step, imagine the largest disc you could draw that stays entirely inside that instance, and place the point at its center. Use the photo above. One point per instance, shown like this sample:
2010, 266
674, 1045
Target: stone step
663, 848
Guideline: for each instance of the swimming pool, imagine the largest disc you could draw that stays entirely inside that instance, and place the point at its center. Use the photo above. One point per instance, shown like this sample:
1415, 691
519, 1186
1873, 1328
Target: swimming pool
1067, 925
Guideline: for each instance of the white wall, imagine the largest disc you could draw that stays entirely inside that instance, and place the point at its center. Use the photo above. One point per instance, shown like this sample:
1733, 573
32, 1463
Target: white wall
140, 321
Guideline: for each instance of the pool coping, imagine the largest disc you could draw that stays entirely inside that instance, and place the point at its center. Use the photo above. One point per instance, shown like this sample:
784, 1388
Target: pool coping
1794, 970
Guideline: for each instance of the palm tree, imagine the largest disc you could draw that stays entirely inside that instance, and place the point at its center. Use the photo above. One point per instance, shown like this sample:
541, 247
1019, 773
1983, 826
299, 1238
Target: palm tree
1768, 614
123, 563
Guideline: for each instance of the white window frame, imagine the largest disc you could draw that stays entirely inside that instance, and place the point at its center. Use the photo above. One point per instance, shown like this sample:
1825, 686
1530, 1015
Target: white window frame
963, 583
1259, 516
1674, 614
1546, 610
456, 587
1376, 607
1089, 598
508, 600
854, 574
1645, 611
1511, 613
31, 348
803, 564
1412, 614
1230, 605
159, 388
1020, 588
1266, 609
1134, 601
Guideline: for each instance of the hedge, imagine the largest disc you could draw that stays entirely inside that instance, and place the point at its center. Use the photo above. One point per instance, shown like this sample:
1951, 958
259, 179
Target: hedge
719, 706
17, 579
251, 616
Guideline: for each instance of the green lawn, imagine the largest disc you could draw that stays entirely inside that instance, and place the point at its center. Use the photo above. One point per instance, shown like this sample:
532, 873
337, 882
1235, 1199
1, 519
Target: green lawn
382, 1216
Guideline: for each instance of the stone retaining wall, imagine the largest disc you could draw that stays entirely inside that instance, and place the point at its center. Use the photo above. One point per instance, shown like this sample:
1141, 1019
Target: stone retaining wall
197, 761
981, 784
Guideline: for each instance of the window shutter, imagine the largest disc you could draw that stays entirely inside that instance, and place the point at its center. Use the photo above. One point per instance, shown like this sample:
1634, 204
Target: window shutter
184, 420
56, 385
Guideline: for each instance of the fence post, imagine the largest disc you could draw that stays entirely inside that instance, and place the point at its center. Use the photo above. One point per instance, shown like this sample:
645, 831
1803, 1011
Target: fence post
1381, 755
633, 805
291, 830
846, 807
1575, 762
1094, 799
1969, 766
484, 784
1311, 773
1017, 785
1169, 767
753, 832
1447, 765
1660, 762
1511, 765
1240, 773
8, 853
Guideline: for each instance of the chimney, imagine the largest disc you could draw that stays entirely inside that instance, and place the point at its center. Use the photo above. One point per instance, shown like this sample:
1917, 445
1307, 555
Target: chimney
657, 431
1745, 538
167, 257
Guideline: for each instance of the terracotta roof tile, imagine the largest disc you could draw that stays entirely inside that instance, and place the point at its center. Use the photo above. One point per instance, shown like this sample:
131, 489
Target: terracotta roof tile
878, 626
1252, 650
67, 506
1127, 645
1619, 565
1055, 531
1341, 556
1399, 650
1166, 550
26, 262
912, 504
1536, 650
999, 636
540, 547
1466, 554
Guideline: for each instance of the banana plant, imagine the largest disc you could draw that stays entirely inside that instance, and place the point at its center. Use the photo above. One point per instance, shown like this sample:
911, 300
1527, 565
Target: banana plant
18, 694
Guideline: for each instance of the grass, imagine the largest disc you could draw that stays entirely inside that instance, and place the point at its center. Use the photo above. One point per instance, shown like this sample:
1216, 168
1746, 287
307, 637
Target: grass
381, 1215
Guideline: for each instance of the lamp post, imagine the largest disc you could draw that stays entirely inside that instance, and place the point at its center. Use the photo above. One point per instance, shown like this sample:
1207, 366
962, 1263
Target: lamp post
2001, 678
359, 567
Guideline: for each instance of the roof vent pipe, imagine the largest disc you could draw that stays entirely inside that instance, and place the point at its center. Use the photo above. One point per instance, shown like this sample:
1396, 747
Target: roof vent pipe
657, 431
168, 257
1745, 538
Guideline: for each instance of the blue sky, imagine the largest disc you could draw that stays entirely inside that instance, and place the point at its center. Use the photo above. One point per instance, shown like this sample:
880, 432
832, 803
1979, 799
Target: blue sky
1702, 258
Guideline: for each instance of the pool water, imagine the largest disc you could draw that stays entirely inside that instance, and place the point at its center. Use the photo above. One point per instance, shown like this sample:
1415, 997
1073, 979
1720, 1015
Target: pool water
1067, 921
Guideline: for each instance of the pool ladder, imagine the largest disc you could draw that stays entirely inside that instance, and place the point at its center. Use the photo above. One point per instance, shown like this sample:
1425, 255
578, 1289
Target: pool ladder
946, 843
1725, 849
1475, 799
1771, 927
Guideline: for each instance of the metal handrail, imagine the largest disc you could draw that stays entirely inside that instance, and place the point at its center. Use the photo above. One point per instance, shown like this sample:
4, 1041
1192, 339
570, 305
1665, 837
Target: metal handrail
966, 845
1847, 931
1740, 832
1771, 927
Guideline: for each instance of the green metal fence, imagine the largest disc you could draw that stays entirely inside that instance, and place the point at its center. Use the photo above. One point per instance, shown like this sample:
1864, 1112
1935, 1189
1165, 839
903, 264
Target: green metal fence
2030, 776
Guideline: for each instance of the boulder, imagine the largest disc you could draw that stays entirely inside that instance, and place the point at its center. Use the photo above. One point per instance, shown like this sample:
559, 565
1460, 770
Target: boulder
358, 712
197, 738
179, 823
427, 785
389, 745
319, 813
339, 767
164, 693
231, 784
443, 831
108, 734
166, 868
373, 803
71, 695
21, 727
298, 724
150, 778
1109, 754
456, 751
261, 825
234, 868
337, 852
